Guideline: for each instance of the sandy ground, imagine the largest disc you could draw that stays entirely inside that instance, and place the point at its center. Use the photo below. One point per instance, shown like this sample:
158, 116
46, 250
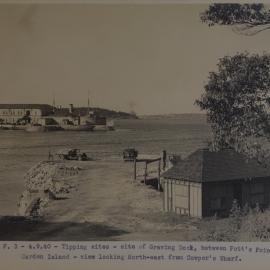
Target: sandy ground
107, 205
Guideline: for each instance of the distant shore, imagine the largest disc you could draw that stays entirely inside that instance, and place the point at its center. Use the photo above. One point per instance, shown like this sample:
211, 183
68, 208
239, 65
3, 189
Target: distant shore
198, 117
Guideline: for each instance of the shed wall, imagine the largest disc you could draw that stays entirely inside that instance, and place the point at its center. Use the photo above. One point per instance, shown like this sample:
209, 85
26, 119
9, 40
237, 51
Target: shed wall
182, 197
219, 196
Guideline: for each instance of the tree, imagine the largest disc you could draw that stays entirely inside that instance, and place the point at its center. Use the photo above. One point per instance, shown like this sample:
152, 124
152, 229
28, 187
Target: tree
247, 19
237, 102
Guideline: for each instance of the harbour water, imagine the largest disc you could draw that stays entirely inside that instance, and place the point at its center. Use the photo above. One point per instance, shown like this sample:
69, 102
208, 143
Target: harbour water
20, 150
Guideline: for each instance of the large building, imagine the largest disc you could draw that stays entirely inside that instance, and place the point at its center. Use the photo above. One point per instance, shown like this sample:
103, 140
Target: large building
206, 183
47, 115
39, 114
16, 113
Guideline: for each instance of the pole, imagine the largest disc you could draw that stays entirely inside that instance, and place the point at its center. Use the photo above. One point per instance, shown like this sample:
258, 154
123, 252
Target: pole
135, 169
159, 175
189, 199
88, 102
145, 172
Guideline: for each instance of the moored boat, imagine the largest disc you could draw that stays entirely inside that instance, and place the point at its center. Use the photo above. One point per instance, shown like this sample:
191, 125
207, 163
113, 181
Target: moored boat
12, 127
100, 128
41, 128
77, 127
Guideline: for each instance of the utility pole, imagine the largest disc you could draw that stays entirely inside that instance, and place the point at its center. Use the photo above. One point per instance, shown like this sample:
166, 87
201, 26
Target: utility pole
53, 101
88, 102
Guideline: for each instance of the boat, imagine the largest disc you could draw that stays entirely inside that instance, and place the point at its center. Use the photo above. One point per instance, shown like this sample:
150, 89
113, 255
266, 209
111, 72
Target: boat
103, 128
12, 127
4, 128
100, 123
100, 128
42, 128
77, 127
69, 125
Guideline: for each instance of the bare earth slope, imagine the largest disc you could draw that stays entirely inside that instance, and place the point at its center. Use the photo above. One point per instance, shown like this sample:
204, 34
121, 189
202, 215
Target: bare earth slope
106, 205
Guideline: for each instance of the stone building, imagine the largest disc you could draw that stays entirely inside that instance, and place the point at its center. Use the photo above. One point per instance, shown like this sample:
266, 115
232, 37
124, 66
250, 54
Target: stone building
24, 113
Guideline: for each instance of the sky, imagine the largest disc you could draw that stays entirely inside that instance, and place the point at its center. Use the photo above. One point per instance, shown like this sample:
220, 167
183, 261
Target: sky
153, 59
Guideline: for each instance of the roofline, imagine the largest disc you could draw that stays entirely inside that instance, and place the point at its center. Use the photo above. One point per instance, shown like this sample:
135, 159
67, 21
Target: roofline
218, 181
26, 104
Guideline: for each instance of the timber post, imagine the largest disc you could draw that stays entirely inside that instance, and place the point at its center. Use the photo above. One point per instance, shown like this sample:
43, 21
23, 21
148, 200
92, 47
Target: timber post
159, 174
189, 199
145, 172
135, 168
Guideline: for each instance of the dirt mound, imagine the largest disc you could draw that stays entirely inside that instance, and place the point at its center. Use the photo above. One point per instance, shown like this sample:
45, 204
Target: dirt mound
46, 181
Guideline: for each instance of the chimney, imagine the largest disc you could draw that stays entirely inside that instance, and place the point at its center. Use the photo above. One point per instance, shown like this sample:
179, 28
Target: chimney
70, 108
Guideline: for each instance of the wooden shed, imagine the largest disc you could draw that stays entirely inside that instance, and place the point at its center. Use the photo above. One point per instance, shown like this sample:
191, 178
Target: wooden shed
206, 183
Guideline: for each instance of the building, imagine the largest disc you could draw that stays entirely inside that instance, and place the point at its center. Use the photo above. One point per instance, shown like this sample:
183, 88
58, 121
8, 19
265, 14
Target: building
30, 116
43, 114
24, 113
206, 183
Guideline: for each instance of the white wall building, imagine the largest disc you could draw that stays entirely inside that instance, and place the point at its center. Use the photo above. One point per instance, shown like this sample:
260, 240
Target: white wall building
14, 113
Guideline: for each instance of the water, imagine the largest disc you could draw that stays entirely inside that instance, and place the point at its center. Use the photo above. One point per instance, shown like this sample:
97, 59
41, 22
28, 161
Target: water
20, 150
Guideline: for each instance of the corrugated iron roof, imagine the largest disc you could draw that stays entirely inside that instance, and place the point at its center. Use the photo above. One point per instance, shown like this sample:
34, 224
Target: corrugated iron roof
206, 166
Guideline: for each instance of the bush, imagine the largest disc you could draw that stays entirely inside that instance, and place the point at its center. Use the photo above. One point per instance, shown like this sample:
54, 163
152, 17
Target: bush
255, 226
243, 224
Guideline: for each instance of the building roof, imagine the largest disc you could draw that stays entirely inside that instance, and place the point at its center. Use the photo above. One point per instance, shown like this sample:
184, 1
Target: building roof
26, 106
206, 166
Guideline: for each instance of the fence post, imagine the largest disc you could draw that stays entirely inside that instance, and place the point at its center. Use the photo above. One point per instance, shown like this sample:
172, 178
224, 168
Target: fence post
145, 172
135, 169
159, 174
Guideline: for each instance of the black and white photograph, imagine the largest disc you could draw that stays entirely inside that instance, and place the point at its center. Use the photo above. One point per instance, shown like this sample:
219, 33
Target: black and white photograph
135, 122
